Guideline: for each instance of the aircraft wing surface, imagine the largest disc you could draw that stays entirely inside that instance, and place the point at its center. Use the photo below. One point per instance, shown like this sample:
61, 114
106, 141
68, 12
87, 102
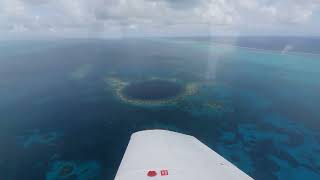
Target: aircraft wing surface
166, 155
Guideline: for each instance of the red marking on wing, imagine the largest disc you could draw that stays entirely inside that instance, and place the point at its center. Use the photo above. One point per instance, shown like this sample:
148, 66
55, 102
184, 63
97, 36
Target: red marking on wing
152, 173
164, 172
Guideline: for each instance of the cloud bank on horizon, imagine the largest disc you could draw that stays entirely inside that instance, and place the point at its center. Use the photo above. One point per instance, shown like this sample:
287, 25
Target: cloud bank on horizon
111, 18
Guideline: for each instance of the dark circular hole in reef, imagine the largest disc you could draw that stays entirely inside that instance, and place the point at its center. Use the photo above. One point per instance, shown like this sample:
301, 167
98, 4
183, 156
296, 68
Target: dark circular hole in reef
153, 90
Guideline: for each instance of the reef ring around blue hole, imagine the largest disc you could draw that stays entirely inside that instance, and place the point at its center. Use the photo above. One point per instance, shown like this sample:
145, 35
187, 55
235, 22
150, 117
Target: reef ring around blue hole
153, 90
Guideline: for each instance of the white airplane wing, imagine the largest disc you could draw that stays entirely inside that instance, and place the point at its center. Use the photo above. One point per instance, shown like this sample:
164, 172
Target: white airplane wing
166, 155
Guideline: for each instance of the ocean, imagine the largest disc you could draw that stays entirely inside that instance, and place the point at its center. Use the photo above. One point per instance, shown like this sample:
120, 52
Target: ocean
254, 100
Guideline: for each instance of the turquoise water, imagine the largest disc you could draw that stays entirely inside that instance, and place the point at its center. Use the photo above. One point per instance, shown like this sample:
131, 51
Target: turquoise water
61, 116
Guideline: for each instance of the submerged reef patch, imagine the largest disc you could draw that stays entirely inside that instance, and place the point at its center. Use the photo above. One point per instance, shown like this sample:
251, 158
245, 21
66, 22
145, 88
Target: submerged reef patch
82, 71
235, 151
73, 170
285, 145
37, 137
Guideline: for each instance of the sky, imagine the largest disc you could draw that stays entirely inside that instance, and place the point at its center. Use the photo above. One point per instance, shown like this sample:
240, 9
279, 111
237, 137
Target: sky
118, 18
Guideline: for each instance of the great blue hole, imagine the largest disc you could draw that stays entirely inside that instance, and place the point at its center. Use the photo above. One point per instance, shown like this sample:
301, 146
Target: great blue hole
153, 90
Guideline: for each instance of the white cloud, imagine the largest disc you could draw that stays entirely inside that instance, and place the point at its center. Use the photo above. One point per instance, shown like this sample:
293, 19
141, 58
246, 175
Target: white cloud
103, 16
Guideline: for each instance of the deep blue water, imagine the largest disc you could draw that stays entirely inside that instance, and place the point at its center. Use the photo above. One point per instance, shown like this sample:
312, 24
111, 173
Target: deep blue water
153, 90
61, 118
